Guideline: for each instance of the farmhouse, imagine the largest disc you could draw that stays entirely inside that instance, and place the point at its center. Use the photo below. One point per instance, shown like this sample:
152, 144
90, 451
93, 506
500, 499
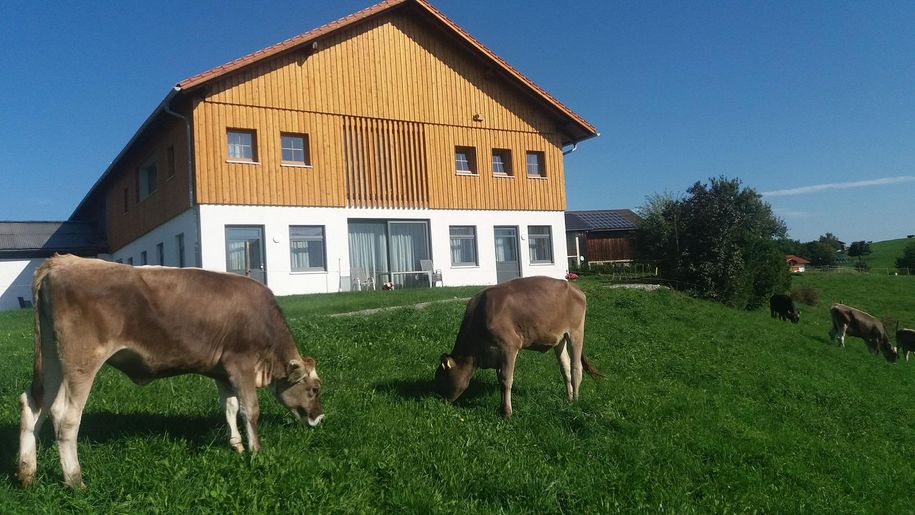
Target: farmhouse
389, 146
600, 236
796, 264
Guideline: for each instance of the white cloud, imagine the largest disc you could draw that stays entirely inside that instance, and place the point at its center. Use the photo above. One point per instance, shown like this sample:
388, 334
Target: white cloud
816, 188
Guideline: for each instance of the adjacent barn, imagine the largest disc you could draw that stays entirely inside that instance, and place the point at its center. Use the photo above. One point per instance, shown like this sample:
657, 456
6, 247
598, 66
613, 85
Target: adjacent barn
25, 245
600, 236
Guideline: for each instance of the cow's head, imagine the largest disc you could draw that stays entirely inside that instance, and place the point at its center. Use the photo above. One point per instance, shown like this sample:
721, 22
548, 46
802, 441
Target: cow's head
794, 316
451, 377
300, 391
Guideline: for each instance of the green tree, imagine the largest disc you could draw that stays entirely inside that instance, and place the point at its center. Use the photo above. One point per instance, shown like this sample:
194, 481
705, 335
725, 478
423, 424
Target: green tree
859, 248
907, 259
820, 253
718, 242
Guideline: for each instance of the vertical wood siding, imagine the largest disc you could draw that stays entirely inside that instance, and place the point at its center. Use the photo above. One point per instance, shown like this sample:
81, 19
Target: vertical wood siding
170, 198
384, 105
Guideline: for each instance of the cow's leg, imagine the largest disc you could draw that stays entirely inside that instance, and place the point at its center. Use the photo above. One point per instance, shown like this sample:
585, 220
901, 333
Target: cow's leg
562, 356
506, 375
577, 337
30, 420
840, 334
250, 408
66, 413
229, 402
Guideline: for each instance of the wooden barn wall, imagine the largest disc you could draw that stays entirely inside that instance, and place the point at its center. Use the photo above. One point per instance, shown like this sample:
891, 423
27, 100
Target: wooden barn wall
609, 246
399, 82
170, 198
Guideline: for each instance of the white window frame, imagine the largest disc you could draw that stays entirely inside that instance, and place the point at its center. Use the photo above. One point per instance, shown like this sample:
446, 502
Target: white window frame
463, 237
533, 238
235, 151
298, 238
305, 150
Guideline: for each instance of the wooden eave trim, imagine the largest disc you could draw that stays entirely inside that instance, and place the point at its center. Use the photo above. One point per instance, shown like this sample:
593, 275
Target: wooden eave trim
586, 129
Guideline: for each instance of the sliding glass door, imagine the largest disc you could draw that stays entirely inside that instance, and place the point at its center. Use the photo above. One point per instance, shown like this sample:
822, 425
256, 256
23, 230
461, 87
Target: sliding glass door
384, 251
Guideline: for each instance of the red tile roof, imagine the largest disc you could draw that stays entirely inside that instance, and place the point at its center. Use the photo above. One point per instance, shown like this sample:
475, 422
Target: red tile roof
799, 260
301, 39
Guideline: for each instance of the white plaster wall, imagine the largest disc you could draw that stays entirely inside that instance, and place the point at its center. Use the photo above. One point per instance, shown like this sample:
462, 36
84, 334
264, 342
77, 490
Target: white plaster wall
16, 280
167, 234
276, 221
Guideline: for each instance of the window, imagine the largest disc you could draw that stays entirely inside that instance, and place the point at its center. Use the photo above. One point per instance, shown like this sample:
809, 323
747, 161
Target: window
295, 149
541, 242
501, 161
306, 248
143, 259
130, 261
126, 194
146, 179
160, 253
242, 145
535, 166
170, 160
180, 241
465, 160
463, 245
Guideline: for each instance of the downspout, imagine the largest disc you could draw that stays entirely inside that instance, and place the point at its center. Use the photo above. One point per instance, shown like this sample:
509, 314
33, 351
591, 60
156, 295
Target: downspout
198, 258
574, 147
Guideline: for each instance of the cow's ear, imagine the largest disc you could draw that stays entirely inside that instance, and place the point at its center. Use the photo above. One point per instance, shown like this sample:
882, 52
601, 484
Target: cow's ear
295, 371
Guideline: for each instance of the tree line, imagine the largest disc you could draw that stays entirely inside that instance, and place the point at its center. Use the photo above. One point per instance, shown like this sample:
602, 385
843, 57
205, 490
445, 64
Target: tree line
721, 241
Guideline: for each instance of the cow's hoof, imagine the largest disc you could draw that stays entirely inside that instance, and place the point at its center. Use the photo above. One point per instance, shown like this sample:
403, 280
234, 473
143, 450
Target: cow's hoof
75, 483
26, 478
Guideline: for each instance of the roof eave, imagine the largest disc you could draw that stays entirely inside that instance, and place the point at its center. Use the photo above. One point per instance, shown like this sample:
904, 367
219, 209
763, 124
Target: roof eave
114, 163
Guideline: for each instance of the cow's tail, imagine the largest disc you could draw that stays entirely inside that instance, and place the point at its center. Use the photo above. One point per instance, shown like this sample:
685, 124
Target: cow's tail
38, 303
589, 368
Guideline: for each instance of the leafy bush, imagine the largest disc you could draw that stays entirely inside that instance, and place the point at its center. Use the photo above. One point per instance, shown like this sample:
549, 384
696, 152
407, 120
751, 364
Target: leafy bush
805, 295
719, 241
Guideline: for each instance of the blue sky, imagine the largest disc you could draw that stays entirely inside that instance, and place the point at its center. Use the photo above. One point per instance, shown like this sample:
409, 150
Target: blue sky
810, 102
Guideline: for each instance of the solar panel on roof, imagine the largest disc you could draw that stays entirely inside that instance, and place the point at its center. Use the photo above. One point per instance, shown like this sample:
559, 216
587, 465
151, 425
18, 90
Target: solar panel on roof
604, 220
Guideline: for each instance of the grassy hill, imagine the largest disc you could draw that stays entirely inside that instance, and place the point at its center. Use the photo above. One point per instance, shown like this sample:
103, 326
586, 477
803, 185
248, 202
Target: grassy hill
884, 253
703, 408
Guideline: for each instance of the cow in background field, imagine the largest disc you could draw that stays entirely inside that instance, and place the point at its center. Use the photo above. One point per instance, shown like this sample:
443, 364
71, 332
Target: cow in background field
782, 306
537, 313
854, 322
905, 341
152, 322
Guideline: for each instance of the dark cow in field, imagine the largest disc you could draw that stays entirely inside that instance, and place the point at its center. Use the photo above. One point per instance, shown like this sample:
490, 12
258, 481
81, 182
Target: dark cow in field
537, 313
781, 306
905, 341
152, 322
854, 322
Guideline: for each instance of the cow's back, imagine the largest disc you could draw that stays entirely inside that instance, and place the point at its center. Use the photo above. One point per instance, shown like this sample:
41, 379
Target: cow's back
189, 316
534, 307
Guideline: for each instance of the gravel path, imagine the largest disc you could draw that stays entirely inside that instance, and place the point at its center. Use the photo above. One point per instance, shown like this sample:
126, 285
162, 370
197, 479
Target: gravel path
421, 305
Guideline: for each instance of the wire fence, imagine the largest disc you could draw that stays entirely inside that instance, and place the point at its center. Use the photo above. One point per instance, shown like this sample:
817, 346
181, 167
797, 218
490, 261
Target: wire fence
879, 270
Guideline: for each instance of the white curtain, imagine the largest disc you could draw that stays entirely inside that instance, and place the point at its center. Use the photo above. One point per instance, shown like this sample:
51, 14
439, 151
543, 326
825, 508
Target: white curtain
237, 255
368, 248
408, 246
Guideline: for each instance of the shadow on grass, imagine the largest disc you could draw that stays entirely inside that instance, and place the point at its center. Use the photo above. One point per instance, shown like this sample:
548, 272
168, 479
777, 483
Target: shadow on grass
418, 389
199, 432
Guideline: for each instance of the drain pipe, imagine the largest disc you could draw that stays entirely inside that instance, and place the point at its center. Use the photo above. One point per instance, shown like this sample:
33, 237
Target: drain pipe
574, 147
198, 257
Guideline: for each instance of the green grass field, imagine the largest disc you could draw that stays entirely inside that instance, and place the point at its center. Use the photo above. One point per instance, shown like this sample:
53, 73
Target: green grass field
704, 408
884, 253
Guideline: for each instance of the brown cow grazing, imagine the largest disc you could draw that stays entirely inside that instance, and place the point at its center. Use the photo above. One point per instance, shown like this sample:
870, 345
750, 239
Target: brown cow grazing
905, 341
782, 306
152, 322
537, 313
852, 321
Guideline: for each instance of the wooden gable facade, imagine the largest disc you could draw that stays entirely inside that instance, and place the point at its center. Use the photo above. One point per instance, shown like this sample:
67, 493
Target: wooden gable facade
384, 97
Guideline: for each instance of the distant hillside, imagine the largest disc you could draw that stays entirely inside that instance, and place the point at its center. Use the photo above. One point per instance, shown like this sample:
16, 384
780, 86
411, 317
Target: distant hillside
884, 253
